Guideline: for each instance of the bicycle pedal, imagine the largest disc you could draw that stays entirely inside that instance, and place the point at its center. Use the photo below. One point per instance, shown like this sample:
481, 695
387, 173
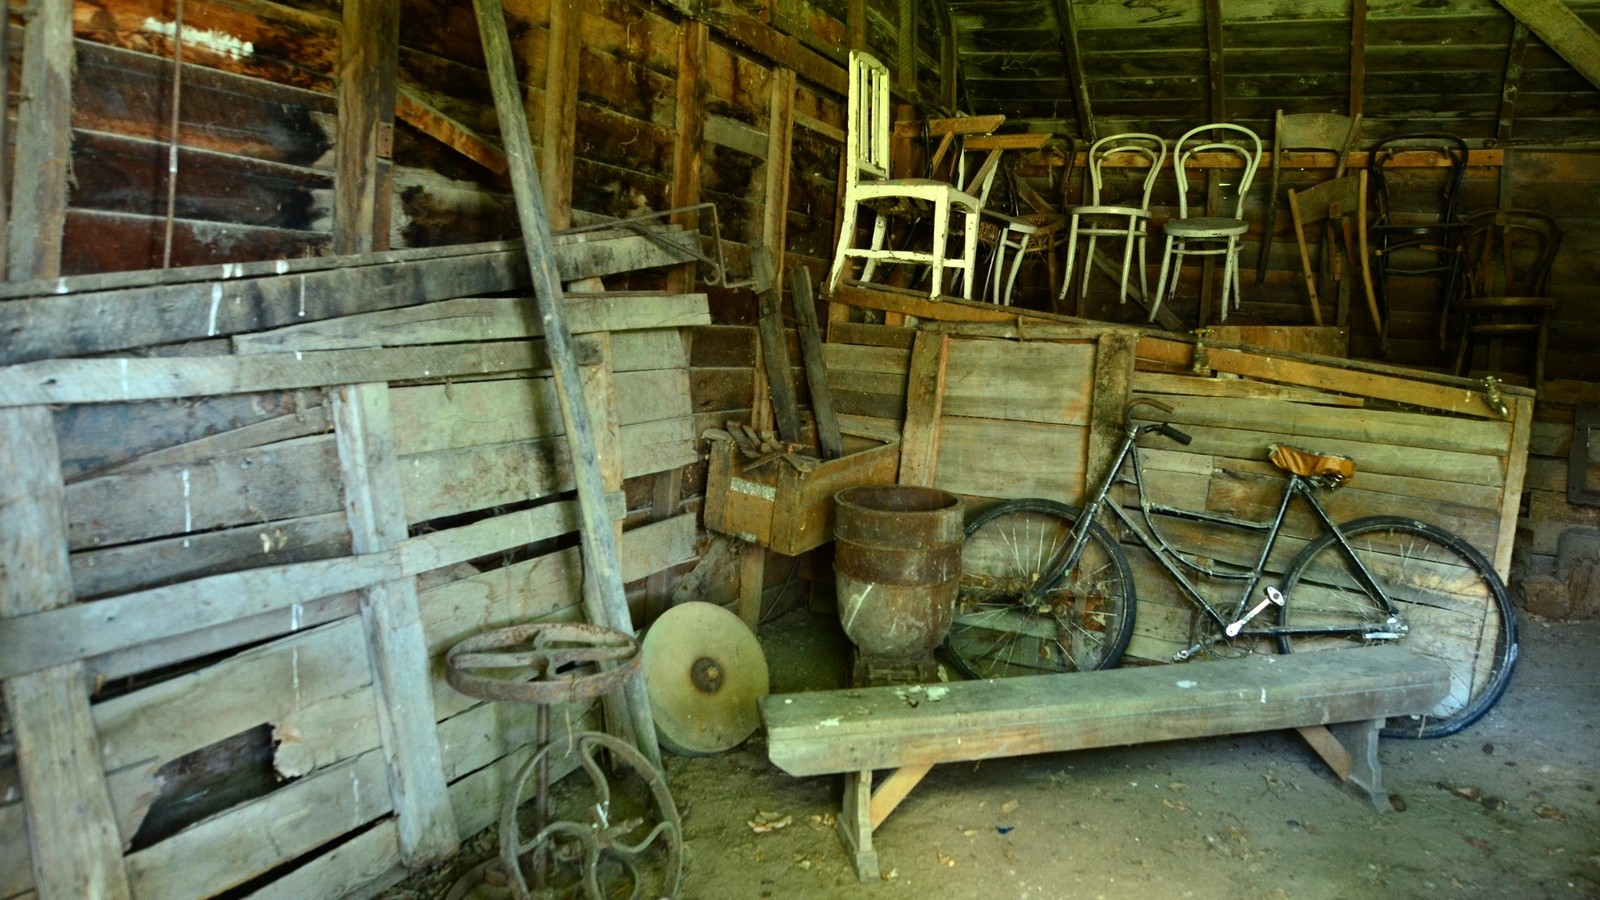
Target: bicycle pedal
1186, 655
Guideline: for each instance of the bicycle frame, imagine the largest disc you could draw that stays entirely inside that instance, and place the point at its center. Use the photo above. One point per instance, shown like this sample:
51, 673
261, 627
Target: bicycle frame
1174, 563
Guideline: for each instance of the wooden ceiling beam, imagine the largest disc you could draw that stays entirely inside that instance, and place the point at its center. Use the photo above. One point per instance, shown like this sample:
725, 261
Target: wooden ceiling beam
1079, 80
1559, 27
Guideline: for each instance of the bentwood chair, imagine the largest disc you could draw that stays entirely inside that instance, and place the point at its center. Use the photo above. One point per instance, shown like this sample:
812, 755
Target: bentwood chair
1198, 232
1508, 257
1102, 217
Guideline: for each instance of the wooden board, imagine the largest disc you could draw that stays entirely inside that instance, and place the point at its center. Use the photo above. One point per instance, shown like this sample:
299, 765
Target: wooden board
877, 728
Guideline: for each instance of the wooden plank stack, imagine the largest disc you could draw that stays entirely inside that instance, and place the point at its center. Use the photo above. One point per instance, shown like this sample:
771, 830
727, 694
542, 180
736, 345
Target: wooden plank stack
272, 517
1026, 404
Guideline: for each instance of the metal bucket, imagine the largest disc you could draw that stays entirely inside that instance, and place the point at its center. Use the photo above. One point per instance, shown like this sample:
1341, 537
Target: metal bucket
897, 563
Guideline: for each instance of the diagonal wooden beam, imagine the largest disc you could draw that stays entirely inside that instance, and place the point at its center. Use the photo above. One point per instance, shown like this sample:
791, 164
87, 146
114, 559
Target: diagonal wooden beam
1075, 73
1565, 33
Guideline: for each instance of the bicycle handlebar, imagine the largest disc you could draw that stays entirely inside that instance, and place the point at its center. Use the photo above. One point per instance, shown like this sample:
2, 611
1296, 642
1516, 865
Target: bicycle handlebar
1163, 427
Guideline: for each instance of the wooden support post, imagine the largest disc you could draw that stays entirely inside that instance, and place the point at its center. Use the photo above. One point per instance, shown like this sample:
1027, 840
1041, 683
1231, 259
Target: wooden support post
559, 135
72, 830
855, 824
805, 312
752, 584
688, 150
599, 546
369, 48
775, 347
1113, 378
919, 446
44, 143
600, 396
1358, 58
395, 643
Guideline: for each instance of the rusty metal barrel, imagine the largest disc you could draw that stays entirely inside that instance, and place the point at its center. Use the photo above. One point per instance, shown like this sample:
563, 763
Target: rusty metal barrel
897, 562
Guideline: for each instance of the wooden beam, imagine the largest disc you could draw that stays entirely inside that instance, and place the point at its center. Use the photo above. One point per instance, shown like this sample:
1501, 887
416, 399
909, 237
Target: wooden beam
775, 346
1358, 58
599, 549
1558, 26
1214, 57
1509, 86
44, 143
688, 149
396, 649
905, 66
919, 446
72, 829
558, 141
369, 48
805, 313
1076, 75
414, 110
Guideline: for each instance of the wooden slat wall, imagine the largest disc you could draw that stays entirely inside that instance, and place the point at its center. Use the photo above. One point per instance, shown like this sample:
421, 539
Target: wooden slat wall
210, 534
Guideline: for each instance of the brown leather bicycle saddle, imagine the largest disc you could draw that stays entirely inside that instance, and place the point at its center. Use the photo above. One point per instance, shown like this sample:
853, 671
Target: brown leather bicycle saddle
1329, 468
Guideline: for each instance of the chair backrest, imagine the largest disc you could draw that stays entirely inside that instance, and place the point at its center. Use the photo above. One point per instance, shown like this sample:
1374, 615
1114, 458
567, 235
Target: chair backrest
1318, 202
1118, 150
1509, 252
1197, 142
1446, 205
867, 134
1314, 131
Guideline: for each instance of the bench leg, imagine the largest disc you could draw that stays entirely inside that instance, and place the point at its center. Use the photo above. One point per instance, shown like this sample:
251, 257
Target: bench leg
855, 824
1351, 750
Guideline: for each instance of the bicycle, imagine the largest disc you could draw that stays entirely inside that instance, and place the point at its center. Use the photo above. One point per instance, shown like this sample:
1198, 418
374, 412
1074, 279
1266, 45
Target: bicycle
1045, 587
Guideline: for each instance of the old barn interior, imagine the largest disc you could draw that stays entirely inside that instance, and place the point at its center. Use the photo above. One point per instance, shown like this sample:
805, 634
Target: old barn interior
396, 392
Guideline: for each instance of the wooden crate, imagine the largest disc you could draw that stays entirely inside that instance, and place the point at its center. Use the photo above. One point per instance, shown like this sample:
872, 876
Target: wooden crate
786, 510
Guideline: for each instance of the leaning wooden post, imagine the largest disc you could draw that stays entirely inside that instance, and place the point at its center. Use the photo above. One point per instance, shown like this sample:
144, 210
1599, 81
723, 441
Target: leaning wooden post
607, 605
72, 831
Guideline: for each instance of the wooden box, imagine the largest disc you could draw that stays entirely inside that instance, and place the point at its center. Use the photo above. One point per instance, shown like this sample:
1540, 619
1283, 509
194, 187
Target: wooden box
781, 508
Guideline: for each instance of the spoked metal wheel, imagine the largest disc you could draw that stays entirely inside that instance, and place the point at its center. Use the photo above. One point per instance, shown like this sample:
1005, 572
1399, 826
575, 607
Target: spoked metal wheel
1452, 607
1079, 621
616, 838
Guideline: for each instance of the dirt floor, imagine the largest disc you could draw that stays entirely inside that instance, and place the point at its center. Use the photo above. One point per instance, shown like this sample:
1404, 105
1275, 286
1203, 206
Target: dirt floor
1506, 809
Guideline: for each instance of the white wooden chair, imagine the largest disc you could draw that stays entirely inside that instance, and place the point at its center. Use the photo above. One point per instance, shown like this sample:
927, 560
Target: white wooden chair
867, 183
1098, 218
1202, 234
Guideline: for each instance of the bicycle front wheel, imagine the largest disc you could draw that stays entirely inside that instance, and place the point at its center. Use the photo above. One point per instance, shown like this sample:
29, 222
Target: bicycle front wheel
1452, 606
1081, 620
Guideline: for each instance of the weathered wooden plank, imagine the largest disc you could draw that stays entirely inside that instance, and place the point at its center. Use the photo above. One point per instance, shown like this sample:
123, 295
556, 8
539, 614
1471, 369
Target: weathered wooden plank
43, 145
997, 458
925, 392
1378, 426
805, 311
279, 481
857, 358
76, 848
369, 49
53, 317
1029, 382
1190, 385
368, 466
479, 319
874, 728
1113, 373
445, 482
126, 378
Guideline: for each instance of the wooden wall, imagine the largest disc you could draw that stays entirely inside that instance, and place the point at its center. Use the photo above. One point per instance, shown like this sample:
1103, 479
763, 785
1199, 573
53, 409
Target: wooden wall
219, 580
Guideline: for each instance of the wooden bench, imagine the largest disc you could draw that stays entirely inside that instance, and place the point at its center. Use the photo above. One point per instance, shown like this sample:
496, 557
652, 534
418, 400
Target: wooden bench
1338, 699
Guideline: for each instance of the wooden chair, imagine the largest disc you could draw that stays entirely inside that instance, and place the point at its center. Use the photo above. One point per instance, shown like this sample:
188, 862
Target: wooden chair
1334, 204
1012, 231
948, 209
1509, 254
1304, 131
1204, 234
1416, 228
1098, 217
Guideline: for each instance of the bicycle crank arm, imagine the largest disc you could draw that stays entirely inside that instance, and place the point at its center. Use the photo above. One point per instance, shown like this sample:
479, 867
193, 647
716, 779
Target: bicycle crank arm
1274, 597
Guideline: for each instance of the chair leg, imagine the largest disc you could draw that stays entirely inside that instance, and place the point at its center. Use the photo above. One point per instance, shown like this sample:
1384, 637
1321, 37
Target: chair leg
1538, 352
841, 256
1127, 262
1088, 273
1072, 251
880, 236
1464, 349
970, 253
1167, 261
1011, 276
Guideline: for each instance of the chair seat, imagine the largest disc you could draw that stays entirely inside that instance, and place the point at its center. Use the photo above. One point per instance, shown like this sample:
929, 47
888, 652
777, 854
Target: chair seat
1133, 211
1206, 226
1493, 304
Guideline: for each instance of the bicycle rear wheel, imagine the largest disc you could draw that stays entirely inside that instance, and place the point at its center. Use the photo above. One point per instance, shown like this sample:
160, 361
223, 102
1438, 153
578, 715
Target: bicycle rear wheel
1081, 621
1454, 609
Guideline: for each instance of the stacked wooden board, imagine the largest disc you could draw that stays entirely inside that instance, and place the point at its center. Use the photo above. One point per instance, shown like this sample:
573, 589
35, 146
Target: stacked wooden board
277, 515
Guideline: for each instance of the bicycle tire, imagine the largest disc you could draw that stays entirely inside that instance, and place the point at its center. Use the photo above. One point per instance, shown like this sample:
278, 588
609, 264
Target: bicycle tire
1081, 622
1454, 605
